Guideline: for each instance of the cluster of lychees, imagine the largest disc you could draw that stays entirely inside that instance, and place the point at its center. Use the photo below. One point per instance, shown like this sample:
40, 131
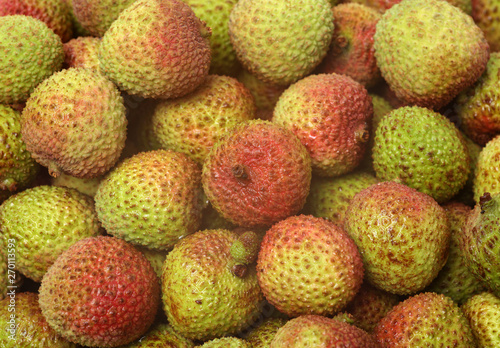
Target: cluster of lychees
249, 173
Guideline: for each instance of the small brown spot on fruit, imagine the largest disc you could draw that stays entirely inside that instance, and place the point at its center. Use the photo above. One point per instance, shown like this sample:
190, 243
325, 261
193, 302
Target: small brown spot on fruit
240, 172
239, 270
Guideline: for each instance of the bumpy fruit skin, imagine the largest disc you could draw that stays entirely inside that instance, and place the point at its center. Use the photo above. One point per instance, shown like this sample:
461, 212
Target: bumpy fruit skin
331, 114
266, 95
262, 335
483, 312
486, 15
216, 15
429, 69
478, 107
455, 280
54, 13
351, 52
330, 197
100, 292
199, 277
226, 342
4, 270
425, 320
423, 149
30, 327
402, 235
318, 331
487, 177
370, 305
96, 16
156, 49
82, 52
161, 336
57, 218
151, 199
258, 173
30, 53
193, 123
479, 241
297, 273
85, 134
383, 5
281, 41
17, 168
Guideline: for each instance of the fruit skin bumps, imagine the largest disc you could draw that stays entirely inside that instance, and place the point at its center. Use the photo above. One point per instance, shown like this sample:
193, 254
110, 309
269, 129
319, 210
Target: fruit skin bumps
203, 293
479, 241
74, 122
30, 53
483, 312
423, 149
281, 41
257, 174
100, 292
17, 168
151, 199
402, 234
331, 114
156, 49
428, 51
308, 265
57, 218
425, 320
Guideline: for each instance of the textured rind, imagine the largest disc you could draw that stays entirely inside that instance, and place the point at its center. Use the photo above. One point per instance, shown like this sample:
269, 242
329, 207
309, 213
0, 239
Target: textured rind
478, 107
216, 15
281, 41
262, 335
74, 122
226, 342
402, 234
162, 336
428, 51
193, 123
486, 14
156, 49
197, 279
17, 168
331, 114
55, 13
425, 320
423, 149
96, 16
151, 199
266, 95
82, 52
383, 5
100, 292
256, 174
370, 305
32, 330
308, 265
330, 197
455, 280
480, 243
57, 218
483, 312
487, 177
351, 51
318, 331
36, 54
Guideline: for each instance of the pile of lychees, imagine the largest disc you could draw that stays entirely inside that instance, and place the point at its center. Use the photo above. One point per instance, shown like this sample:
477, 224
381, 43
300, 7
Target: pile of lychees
249, 173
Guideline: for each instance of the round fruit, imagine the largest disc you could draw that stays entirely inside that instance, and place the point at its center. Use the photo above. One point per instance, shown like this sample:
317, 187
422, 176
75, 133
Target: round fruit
257, 174
100, 292
297, 271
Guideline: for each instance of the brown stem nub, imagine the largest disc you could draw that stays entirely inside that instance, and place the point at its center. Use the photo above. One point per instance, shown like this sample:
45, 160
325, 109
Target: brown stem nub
240, 172
485, 198
239, 270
